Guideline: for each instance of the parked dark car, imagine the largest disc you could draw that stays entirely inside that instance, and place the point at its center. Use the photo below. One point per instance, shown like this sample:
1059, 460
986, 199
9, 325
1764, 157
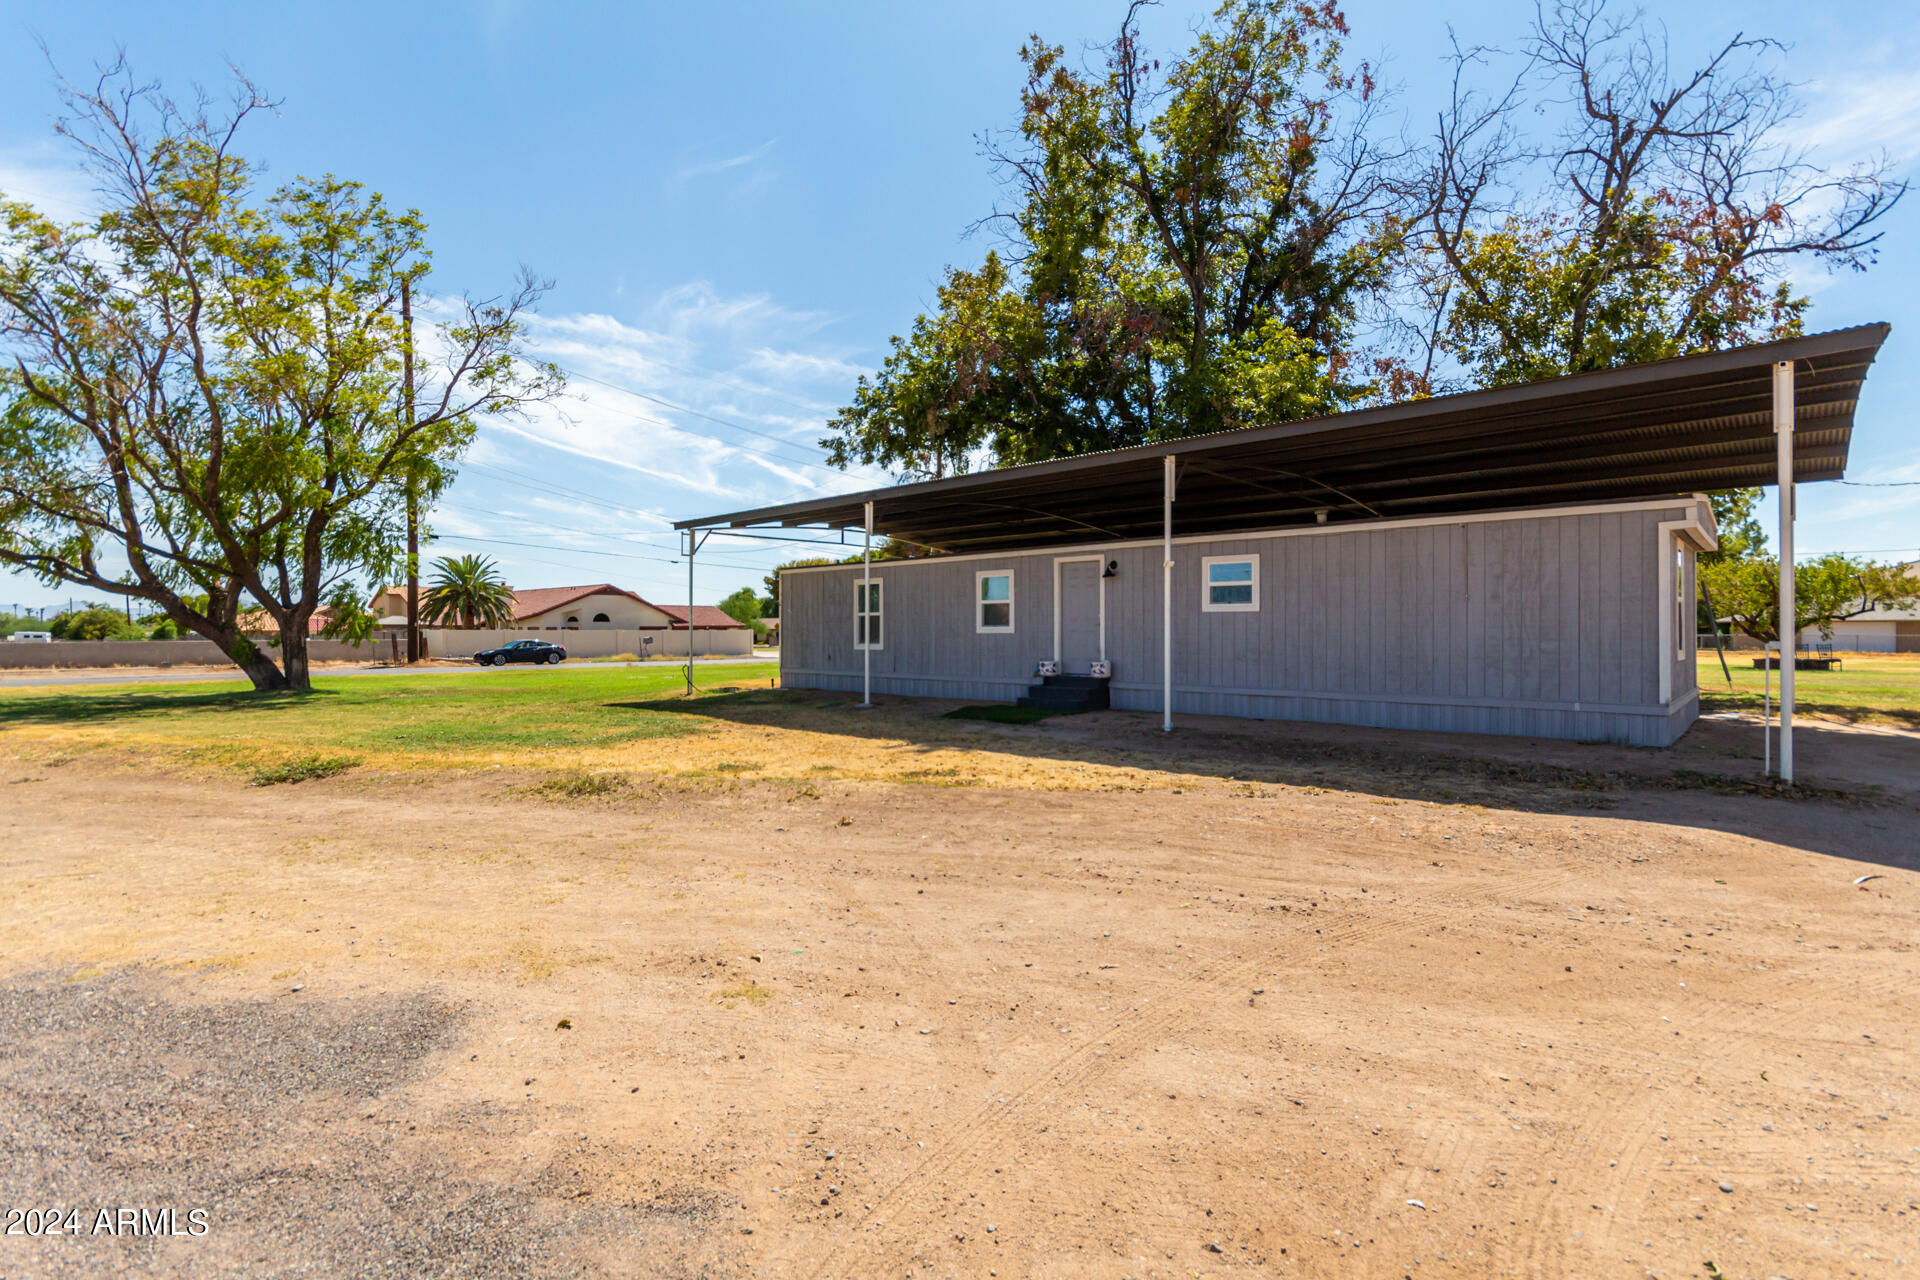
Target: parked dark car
521, 651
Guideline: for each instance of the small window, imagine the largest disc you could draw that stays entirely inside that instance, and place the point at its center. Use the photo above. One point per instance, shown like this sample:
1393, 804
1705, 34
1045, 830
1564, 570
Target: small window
866, 614
573, 619
1683, 621
601, 617
993, 601
1230, 584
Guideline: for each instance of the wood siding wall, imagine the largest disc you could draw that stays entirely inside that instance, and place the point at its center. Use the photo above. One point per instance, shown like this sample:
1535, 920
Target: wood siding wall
1544, 625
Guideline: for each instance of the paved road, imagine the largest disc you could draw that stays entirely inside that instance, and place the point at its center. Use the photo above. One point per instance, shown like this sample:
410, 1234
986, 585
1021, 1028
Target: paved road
25, 679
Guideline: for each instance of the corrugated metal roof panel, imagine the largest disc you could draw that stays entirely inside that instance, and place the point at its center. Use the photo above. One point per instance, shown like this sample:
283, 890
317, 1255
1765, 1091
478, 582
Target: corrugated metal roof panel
1674, 426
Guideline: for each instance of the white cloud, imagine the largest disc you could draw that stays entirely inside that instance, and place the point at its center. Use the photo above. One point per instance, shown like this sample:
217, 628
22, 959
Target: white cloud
702, 168
631, 514
48, 179
714, 393
1861, 114
807, 366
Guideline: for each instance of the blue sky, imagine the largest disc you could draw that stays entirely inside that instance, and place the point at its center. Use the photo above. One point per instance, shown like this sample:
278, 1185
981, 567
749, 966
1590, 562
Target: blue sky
740, 203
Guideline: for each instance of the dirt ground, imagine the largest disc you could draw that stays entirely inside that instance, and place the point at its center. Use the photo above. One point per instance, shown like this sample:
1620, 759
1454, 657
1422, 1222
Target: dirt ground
1394, 1006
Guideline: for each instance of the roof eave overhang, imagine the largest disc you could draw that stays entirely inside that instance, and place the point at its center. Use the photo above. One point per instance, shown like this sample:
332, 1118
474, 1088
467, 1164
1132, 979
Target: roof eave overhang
1672, 426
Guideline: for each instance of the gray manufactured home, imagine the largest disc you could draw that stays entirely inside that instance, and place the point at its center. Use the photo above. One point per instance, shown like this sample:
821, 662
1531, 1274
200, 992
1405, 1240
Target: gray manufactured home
1546, 623
1517, 561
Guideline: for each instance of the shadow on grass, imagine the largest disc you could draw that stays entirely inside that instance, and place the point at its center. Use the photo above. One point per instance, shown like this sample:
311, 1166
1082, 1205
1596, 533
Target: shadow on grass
1815, 704
1512, 773
99, 708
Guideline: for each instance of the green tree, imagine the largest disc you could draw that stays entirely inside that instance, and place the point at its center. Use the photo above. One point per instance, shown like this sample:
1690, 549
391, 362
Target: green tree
467, 591
1605, 208
1827, 589
348, 617
742, 606
1735, 511
93, 624
1188, 249
1648, 213
204, 382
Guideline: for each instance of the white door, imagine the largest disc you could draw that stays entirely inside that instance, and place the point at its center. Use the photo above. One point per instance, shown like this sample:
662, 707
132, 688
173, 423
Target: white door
1079, 616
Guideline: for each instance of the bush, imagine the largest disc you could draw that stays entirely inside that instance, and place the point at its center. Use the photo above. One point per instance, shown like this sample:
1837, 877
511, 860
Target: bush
93, 624
12, 622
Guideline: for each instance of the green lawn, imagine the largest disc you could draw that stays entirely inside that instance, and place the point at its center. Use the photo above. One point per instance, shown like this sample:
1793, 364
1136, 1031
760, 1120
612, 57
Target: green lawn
1881, 688
438, 719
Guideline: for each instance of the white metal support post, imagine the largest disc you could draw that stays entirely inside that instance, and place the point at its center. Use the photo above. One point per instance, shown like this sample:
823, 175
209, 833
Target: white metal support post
693, 545
866, 607
1783, 415
1166, 595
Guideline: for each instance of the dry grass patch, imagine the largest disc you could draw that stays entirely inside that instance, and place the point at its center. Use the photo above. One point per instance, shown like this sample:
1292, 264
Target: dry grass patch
746, 989
578, 784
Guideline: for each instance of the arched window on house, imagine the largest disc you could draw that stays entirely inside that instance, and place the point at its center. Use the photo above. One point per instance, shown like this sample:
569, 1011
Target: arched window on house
573, 620
601, 617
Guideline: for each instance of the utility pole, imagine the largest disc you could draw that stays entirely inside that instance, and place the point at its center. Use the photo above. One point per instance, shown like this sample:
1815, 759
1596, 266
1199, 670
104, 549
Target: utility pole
413, 489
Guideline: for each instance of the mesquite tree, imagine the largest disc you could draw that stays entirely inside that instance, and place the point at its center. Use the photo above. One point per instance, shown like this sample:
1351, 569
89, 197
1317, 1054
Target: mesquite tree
1187, 245
1827, 589
1605, 207
202, 401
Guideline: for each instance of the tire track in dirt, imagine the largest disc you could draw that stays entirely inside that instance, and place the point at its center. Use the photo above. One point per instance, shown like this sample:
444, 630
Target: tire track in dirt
1000, 1125
1625, 1119
1731, 1029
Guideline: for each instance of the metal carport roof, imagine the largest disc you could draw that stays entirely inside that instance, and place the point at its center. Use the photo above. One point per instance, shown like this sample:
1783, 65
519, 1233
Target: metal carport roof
1671, 427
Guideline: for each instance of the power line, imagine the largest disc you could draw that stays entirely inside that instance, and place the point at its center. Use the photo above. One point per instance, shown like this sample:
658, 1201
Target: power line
1859, 551
590, 533
782, 441
1882, 484
550, 489
728, 380
582, 495
542, 546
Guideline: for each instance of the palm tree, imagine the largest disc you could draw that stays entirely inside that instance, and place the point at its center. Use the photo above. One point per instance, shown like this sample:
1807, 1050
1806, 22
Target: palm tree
467, 591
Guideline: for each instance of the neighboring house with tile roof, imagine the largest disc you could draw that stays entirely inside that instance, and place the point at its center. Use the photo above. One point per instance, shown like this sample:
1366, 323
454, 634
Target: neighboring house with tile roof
706, 617
258, 622
600, 604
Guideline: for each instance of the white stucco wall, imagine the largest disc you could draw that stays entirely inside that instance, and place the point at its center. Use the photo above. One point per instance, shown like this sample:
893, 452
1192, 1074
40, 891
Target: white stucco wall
621, 611
1864, 636
592, 642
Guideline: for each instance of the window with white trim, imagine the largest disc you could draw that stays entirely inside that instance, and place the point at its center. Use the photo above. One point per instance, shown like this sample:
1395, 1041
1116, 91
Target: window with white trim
993, 600
1230, 584
1684, 624
866, 614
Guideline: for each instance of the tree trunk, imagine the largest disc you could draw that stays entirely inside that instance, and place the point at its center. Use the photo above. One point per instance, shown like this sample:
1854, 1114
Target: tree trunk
244, 654
293, 658
266, 677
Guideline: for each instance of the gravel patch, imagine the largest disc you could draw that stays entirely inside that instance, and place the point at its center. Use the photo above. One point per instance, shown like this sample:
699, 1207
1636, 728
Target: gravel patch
289, 1123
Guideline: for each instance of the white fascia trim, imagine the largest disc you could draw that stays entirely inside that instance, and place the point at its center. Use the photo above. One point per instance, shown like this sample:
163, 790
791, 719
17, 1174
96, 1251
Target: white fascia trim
1697, 502
1693, 532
